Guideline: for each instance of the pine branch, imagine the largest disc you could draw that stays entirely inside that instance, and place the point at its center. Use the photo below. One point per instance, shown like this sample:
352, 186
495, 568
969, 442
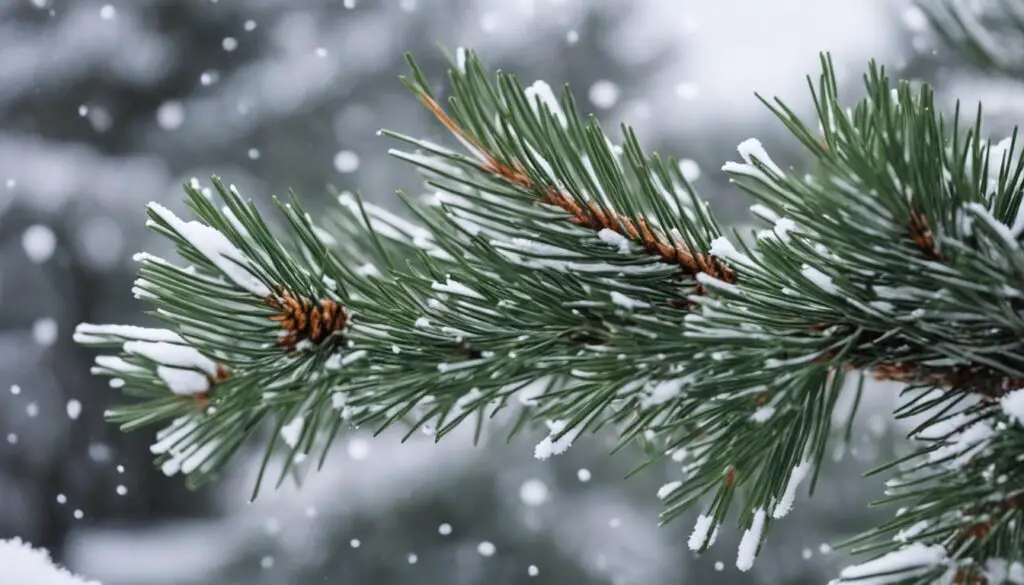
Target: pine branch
868, 285
899, 257
531, 129
887, 169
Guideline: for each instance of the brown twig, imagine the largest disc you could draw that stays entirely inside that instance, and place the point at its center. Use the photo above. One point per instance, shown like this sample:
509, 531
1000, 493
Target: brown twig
592, 214
304, 319
970, 576
987, 382
974, 378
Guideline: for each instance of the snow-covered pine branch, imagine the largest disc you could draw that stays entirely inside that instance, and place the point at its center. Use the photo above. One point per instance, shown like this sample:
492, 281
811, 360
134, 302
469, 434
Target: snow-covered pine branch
583, 285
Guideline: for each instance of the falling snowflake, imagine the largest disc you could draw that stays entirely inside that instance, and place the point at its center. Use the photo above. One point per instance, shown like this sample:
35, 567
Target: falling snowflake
533, 492
39, 243
604, 94
209, 77
74, 409
689, 169
170, 115
346, 161
486, 548
44, 331
358, 449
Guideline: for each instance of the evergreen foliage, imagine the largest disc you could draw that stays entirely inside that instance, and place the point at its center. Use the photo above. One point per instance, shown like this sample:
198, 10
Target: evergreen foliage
571, 281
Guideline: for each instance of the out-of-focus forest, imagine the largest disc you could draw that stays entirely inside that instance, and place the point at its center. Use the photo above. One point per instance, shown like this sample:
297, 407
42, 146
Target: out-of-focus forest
105, 106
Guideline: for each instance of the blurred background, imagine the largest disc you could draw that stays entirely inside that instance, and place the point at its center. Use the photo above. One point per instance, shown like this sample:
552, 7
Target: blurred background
106, 105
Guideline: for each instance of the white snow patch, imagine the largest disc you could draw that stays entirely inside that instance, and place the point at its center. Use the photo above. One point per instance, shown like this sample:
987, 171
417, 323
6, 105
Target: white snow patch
750, 541
352, 357
183, 381
88, 332
172, 354
763, 414
114, 363
911, 531
458, 288
724, 249
796, 476
963, 445
1000, 228
550, 446
540, 93
751, 149
665, 390
914, 556
667, 489
367, 269
217, 249
764, 212
783, 227
819, 278
460, 59
1013, 406
614, 239
1002, 571
718, 284
25, 565
626, 302
292, 431
185, 453
702, 531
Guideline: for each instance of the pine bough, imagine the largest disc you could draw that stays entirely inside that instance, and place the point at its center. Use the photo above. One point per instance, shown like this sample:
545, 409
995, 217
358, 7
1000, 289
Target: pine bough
566, 280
